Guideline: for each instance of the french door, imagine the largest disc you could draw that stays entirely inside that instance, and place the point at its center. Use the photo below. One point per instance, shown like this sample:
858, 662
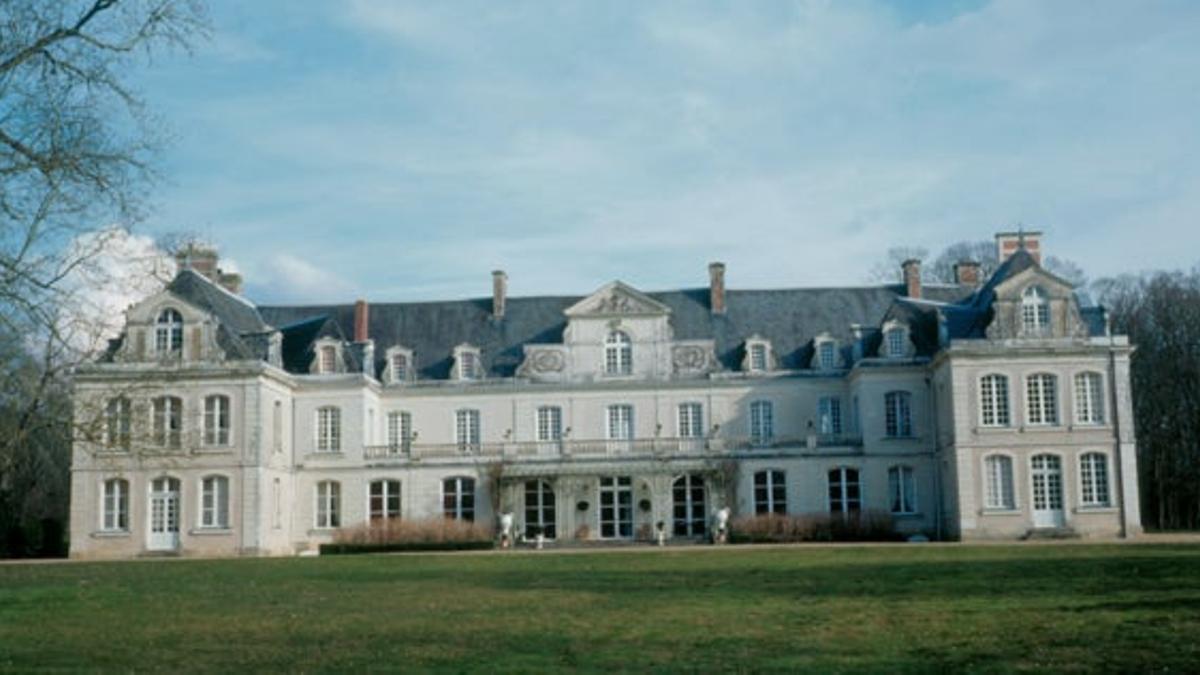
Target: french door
690, 514
1047, 491
616, 507
164, 515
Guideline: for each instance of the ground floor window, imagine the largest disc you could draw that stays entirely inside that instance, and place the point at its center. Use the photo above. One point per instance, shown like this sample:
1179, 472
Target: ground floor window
329, 504
116, 505
903, 489
214, 502
690, 513
458, 498
384, 500
616, 507
1093, 474
845, 496
540, 513
999, 470
770, 492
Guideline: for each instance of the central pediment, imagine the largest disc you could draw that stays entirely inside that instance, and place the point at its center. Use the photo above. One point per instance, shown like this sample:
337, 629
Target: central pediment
617, 299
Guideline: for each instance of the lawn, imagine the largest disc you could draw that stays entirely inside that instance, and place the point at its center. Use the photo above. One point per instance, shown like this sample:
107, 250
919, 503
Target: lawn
888, 608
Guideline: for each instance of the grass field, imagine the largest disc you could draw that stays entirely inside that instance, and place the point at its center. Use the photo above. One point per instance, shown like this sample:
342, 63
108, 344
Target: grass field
890, 608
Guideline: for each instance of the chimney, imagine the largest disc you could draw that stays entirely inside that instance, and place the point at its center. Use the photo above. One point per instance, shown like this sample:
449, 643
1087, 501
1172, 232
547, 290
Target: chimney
912, 277
966, 273
199, 258
499, 293
230, 281
1007, 244
362, 313
716, 287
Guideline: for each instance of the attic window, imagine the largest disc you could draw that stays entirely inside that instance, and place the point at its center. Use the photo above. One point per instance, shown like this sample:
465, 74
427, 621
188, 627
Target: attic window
896, 339
168, 332
1035, 311
826, 354
467, 363
328, 362
758, 357
399, 362
618, 354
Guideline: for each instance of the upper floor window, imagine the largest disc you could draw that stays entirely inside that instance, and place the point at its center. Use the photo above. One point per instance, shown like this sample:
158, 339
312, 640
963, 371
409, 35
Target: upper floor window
216, 420
214, 502
1089, 398
277, 426
1093, 479
168, 332
618, 354
115, 509
770, 492
762, 422
119, 423
458, 498
329, 504
896, 339
829, 415
898, 414
999, 476
903, 489
329, 429
466, 428
168, 422
1035, 311
399, 429
1041, 399
827, 355
328, 359
620, 422
993, 401
549, 423
691, 420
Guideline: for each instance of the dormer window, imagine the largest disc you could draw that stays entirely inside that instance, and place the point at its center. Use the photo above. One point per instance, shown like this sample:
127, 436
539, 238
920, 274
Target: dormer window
467, 363
618, 354
168, 332
758, 355
328, 359
827, 356
1035, 311
399, 362
895, 341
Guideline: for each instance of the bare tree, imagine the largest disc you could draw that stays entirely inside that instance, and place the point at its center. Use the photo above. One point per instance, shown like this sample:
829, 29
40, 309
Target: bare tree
77, 148
941, 269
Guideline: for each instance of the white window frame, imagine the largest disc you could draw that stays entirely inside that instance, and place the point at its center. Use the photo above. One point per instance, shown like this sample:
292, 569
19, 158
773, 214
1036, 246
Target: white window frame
168, 332
843, 482
396, 373
762, 423
618, 353
214, 502
167, 421
1041, 400
902, 490
1094, 476
758, 355
118, 423
114, 505
548, 426
327, 358
768, 502
468, 363
390, 491
454, 491
1035, 311
689, 420
399, 429
895, 340
994, 408
218, 415
829, 416
619, 422
467, 429
898, 422
823, 347
999, 482
329, 429
327, 511
1089, 398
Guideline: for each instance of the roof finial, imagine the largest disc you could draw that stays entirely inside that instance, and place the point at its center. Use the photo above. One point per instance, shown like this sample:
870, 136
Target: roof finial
1020, 235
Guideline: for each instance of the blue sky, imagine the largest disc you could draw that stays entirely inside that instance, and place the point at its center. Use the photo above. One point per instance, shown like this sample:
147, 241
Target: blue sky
401, 151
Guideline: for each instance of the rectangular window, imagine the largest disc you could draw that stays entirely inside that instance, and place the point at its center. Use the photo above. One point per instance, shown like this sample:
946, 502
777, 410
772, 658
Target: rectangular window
214, 502
993, 401
329, 430
328, 359
829, 415
216, 420
1089, 399
549, 423
898, 414
903, 490
458, 498
770, 492
762, 423
1093, 472
827, 354
399, 430
116, 506
384, 500
277, 426
691, 420
466, 429
329, 498
844, 494
399, 367
758, 357
468, 365
1041, 399
999, 471
620, 422
119, 423
895, 342
168, 422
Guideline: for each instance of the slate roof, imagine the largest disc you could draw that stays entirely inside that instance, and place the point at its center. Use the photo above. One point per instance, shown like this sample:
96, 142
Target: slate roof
789, 318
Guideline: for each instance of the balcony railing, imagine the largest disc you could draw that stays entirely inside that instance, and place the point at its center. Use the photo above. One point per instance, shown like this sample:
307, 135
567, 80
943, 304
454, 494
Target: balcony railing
606, 447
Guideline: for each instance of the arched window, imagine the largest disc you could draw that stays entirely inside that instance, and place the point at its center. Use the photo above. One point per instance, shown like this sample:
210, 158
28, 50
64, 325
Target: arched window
168, 332
618, 354
770, 492
115, 505
903, 490
329, 429
993, 401
458, 498
399, 365
1035, 311
1089, 398
119, 423
1093, 479
383, 500
329, 504
328, 359
689, 512
168, 422
216, 420
214, 502
998, 471
1041, 399
845, 496
898, 414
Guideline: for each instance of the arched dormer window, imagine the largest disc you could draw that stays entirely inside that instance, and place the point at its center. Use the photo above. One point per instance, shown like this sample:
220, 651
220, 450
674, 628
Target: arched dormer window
399, 365
895, 341
758, 355
467, 363
618, 354
328, 357
826, 353
168, 332
1035, 311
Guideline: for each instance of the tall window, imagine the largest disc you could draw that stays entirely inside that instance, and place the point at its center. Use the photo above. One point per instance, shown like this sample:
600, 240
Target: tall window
688, 507
549, 423
168, 422
618, 354
691, 420
1041, 399
399, 429
1093, 478
115, 500
898, 414
844, 494
770, 492
762, 422
458, 498
466, 428
620, 422
216, 420
896, 342
277, 426
540, 514
999, 475
829, 415
993, 401
1035, 311
903, 489
329, 504
119, 423
214, 502
168, 332
329, 429
399, 367
758, 357
328, 362
383, 502
1089, 399
827, 355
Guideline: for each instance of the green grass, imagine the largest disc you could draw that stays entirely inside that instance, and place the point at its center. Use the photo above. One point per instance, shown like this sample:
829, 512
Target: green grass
893, 608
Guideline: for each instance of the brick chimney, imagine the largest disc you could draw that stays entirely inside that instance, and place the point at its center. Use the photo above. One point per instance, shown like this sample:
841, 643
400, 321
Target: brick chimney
912, 277
966, 273
230, 281
1007, 244
499, 294
362, 315
199, 258
716, 287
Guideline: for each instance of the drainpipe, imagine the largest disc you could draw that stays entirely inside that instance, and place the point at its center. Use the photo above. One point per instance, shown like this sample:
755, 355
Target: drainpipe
1116, 424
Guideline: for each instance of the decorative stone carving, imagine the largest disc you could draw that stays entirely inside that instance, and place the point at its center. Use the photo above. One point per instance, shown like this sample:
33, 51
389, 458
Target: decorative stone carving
543, 361
696, 357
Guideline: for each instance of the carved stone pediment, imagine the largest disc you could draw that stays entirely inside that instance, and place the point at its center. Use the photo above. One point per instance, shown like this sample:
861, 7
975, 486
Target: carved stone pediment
693, 357
543, 360
617, 299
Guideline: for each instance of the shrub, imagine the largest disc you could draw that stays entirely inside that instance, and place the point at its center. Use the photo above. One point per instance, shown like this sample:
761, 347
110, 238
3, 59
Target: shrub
778, 528
426, 531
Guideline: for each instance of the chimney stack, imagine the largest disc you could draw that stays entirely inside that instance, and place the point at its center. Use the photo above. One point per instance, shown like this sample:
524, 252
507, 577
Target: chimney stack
499, 293
1007, 244
230, 281
362, 313
966, 273
912, 277
716, 287
200, 258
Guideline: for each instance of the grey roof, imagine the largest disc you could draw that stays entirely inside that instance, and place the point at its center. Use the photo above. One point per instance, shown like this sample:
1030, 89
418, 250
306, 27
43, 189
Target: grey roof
789, 318
238, 319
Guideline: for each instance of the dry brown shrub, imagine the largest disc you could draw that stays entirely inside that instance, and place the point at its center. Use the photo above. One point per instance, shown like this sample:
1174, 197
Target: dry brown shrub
425, 531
